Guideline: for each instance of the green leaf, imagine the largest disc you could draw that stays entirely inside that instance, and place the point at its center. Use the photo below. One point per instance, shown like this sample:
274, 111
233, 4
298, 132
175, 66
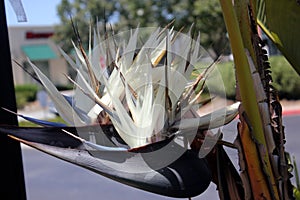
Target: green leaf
296, 193
280, 20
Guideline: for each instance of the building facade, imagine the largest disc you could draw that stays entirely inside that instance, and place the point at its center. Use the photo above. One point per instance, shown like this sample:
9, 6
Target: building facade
35, 43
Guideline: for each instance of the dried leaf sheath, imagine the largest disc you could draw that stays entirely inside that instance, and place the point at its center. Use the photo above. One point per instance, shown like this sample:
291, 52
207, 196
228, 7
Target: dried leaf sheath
271, 112
248, 155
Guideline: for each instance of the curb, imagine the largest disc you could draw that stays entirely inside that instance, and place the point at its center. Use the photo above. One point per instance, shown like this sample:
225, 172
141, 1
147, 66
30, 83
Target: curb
291, 112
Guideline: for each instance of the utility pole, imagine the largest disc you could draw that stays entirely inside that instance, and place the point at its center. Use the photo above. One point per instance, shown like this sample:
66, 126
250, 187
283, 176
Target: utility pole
11, 165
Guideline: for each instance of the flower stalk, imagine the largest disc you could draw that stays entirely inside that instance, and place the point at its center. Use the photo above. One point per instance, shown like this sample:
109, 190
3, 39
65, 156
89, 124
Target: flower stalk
240, 40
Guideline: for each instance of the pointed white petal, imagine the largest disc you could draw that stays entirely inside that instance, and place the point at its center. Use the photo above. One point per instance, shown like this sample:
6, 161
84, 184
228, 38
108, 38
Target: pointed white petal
63, 107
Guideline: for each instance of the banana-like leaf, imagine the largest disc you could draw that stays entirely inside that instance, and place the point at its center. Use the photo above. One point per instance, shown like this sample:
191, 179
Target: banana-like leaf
280, 20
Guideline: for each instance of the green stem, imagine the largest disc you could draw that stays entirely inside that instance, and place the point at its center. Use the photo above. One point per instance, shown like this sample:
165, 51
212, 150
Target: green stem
243, 74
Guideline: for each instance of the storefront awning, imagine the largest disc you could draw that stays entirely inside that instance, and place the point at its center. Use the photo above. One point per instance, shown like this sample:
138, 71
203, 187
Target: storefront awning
39, 52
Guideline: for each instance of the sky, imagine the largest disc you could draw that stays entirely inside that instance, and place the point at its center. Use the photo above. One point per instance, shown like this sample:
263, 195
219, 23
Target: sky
38, 12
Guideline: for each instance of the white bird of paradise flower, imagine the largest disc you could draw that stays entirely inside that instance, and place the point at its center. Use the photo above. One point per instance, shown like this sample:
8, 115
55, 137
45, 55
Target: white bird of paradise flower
145, 90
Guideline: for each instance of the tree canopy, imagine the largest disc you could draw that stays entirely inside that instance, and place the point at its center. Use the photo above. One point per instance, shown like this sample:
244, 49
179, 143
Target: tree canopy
205, 16
83, 14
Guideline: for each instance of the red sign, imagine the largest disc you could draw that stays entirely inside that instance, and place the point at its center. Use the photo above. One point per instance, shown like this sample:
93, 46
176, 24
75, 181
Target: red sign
38, 35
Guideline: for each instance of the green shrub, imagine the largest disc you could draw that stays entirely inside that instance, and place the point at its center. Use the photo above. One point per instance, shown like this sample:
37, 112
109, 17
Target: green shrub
25, 123
64, 87
21, 100
25, 93
216, 85
227, 72
285, 79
